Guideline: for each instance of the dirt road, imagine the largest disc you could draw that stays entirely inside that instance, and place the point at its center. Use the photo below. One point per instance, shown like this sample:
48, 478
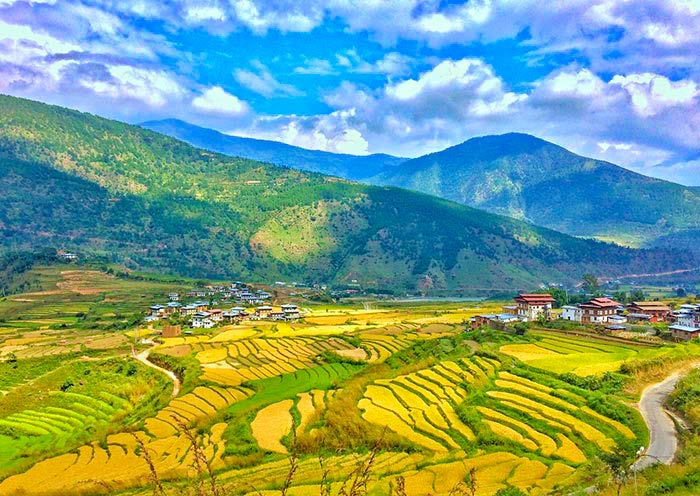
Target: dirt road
662, 430
143, 358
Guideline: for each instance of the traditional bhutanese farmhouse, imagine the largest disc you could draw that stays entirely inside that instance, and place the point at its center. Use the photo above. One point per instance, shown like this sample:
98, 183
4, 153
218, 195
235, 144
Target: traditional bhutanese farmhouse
684, 333
598, 310
172, 307
216, 315
188, 310
291, 312
263, 311
156, 310
659, 311
202, 306
688, 315
202, 320
571, 312
534, 306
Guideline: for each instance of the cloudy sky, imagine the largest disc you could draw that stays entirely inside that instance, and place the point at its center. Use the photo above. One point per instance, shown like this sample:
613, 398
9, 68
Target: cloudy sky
617, 80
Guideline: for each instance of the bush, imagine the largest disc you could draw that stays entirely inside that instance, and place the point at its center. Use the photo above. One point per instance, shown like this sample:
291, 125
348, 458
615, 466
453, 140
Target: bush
510, 491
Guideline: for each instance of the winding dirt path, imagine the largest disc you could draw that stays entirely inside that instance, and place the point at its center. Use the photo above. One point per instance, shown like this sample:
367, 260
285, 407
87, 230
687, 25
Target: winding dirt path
143, 358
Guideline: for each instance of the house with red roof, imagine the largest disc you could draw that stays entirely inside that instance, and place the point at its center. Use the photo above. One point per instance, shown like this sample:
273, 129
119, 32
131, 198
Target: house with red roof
532, 306
598, 310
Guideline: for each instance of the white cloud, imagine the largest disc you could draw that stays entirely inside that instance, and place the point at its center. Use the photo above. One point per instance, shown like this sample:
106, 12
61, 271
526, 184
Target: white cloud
315, 66
263, 82
215, 100
151, 87
652, 93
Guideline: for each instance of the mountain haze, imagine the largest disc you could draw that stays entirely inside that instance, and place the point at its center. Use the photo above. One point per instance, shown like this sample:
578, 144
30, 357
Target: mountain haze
73, 180
355, 167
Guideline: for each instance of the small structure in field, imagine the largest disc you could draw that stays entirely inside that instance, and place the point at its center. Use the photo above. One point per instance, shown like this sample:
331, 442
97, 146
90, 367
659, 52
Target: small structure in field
171, 331
684, 333
495, 321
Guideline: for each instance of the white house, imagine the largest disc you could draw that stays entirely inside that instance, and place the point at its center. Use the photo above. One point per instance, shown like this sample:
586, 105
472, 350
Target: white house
202, 320
291, 312
571, 312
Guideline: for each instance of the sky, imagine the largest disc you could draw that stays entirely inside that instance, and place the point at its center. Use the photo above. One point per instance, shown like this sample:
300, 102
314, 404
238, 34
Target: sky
614, 80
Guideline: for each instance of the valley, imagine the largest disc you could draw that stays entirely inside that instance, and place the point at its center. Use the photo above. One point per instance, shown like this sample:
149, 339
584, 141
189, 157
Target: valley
431, 405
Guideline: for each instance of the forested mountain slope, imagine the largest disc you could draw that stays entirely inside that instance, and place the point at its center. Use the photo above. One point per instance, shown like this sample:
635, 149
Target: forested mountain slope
77, 181
531, 179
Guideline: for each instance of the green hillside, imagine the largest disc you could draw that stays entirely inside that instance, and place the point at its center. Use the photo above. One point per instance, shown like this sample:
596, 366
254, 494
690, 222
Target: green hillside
528, 178
76, 181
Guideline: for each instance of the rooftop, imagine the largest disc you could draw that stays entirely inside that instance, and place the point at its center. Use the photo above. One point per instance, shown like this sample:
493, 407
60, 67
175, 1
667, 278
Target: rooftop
535, 297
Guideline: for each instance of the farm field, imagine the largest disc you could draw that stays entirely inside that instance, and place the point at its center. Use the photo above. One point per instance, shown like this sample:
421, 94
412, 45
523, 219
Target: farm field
403, 385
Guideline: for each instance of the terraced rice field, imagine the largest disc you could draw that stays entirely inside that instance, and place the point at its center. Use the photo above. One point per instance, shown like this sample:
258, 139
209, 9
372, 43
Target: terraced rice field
421, 406
94, 468
249, 389
202, 403
561, 354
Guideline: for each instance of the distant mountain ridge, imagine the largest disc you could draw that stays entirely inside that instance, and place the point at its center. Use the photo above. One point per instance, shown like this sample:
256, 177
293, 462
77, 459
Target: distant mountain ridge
531, 179
514, 174
354, 167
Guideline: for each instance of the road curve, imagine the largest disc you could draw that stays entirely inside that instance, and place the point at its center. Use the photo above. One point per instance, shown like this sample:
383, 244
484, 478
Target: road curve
662, 430
143, 358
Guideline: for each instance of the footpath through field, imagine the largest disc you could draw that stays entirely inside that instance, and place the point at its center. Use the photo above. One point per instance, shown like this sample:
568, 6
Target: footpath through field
143, 358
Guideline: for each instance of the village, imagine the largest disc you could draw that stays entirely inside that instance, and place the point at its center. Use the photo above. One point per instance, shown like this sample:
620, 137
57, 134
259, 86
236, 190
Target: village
602, 312
201, 314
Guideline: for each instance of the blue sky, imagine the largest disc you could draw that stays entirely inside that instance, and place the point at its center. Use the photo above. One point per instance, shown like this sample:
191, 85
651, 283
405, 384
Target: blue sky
616, 80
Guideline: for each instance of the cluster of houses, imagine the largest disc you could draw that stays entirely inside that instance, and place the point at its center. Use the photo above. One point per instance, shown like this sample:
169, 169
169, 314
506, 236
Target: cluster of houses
236, 291
202, 315
685, 322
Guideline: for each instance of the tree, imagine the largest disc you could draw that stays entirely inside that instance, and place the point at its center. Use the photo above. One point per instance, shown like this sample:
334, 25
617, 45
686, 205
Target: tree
590, 284
520, 328
620, 297
619, 463
560, 296
637, 295
680, 292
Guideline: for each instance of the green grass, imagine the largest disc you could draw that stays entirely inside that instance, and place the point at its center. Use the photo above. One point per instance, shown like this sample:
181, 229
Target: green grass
38, 419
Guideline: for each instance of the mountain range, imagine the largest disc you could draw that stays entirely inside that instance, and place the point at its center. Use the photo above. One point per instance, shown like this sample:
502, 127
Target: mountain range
354, 167
77, 181
520, 176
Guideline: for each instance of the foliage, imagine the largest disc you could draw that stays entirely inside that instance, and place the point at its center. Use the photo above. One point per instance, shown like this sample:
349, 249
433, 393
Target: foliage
590, 284
15, 264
